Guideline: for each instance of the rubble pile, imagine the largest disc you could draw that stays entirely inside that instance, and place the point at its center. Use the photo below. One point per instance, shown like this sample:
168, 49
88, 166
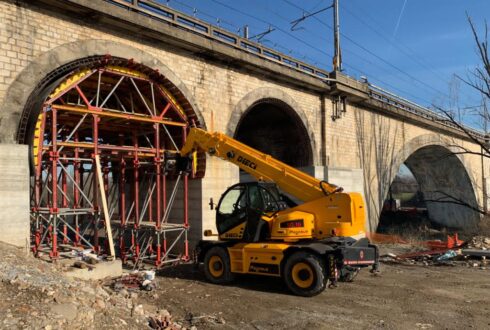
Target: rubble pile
425, 258
36, 295
472, 253
479, 242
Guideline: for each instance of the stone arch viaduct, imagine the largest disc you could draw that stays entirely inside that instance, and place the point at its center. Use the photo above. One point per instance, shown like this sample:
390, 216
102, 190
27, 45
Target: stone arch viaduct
348, 132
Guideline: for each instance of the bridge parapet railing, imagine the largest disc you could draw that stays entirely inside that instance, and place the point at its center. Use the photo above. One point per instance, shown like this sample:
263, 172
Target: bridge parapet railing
151, 8
384, 96
158, 11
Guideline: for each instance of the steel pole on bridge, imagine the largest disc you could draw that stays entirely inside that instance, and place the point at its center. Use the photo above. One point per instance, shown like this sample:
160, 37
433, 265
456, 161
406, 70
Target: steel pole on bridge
337, 60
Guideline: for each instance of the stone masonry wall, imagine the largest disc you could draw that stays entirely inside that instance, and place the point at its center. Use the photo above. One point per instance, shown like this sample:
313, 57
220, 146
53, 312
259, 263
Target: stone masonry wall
361, 140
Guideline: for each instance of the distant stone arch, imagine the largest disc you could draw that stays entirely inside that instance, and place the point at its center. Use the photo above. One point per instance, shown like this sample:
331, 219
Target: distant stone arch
282, 107
448, 189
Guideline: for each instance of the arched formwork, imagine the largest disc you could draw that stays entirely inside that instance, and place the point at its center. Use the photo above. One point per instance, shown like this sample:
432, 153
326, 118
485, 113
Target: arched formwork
47, 65
448, 189
130, 115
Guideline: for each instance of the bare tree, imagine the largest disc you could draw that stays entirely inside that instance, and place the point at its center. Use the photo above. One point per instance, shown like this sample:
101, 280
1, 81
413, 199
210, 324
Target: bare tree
478, 79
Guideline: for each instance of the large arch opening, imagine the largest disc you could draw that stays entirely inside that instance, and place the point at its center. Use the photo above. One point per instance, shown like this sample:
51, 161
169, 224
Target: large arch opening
101, 130
273, 127
432, 190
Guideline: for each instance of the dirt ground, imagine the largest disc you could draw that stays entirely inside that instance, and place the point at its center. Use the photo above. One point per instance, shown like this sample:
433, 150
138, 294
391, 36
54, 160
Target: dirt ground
401, 297
36, 295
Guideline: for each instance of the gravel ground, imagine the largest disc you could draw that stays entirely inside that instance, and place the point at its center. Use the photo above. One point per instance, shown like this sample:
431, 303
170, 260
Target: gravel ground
402, 296
35, 295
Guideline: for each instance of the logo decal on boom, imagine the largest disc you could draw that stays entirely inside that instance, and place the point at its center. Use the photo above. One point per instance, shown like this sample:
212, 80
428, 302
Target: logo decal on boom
247, 162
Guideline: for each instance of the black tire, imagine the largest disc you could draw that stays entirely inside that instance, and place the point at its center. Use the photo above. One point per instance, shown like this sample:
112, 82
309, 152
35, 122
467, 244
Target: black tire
217, 267
304, 274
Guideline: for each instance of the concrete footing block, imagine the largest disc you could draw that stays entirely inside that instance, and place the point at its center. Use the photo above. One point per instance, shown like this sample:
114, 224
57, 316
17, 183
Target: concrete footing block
14, 194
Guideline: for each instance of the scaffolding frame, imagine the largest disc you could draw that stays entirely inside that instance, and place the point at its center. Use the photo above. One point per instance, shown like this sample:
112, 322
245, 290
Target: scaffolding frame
134, 124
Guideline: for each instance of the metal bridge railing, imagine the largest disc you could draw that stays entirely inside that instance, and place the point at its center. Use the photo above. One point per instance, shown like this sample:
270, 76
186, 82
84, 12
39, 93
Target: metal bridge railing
175, 18
160, 12
379, 94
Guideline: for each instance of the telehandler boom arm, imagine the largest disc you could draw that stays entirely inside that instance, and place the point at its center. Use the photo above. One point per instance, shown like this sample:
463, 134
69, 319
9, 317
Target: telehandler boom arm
262, 166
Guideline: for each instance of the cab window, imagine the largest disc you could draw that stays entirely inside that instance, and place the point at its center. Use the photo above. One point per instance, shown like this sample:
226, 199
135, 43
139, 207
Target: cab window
269, 201
255, 196
234, 200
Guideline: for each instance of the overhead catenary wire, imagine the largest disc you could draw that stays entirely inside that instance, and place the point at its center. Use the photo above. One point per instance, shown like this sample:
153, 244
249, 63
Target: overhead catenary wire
295, 23
415, 79
364, 59
196, 11
404, 75
409, 52
238, 29
280, 29
314, 47
268, 23
402, 48
356, 69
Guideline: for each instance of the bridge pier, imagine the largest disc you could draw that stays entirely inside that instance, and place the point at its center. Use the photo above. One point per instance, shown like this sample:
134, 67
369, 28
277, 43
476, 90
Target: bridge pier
14, 195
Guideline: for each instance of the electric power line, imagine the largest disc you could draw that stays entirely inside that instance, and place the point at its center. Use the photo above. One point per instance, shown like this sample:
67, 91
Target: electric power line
215, 18
196, 11
412, 56
408, 52
404, 49
267, 23
363, 58
360, 71
371, 53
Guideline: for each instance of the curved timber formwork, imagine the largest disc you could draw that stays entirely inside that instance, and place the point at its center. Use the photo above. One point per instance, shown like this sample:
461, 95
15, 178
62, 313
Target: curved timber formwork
130, 118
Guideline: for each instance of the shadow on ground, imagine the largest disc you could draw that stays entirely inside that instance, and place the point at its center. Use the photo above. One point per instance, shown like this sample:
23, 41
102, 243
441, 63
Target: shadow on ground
192, 272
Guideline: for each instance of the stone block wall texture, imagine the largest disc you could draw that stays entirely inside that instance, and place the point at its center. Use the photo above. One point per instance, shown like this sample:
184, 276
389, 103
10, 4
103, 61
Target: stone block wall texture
14, 194
369, 144
380, 144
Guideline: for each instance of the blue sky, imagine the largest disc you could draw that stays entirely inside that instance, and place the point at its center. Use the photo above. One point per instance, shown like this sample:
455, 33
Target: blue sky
410, 47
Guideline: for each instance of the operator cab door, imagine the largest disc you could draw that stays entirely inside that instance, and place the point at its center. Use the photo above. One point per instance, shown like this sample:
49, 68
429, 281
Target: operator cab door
231, 213
254, 214
240, 210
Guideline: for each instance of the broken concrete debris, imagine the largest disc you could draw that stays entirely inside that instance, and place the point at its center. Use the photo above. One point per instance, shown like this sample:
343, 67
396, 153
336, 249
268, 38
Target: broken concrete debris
479, 242
161, 320
474, 256
38, 296
137, 280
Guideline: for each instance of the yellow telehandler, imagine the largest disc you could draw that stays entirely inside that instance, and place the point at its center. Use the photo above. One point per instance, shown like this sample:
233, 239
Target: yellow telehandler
261, 230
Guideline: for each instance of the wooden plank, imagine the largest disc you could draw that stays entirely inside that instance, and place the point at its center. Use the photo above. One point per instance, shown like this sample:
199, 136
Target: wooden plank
107, 220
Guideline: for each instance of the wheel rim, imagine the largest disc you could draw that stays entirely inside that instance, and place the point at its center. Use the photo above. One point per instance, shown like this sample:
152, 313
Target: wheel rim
302, 275
215, 266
